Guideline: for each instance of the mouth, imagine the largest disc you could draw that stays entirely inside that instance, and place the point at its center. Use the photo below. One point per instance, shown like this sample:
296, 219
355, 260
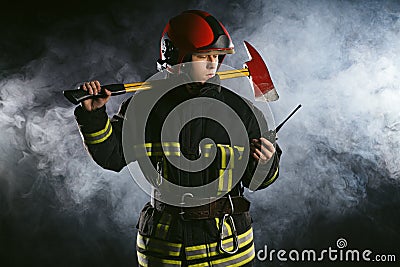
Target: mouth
210, 75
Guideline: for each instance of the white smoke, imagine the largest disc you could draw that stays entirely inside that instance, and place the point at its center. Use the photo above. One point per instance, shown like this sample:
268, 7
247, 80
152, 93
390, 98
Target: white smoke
41, 136
339, 59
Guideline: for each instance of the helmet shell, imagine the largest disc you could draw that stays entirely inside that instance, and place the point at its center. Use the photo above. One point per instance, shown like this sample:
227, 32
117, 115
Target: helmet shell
193, 31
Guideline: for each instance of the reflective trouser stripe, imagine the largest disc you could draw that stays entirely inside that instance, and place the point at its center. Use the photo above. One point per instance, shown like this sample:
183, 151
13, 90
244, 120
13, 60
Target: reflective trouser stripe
236, 260
149, 261
209, 250
159, 246
206, 251
100, 136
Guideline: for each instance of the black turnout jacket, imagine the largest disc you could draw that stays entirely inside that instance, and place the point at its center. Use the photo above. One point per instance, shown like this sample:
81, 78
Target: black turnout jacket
102, 137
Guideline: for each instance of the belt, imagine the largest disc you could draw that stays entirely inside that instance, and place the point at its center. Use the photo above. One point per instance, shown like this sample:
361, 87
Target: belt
215, 209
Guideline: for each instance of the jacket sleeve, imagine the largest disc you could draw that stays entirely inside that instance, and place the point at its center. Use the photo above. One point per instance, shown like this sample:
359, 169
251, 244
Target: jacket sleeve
102, 136
259, 177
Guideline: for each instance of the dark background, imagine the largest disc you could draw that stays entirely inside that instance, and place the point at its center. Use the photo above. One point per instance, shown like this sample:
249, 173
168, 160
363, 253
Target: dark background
340, 168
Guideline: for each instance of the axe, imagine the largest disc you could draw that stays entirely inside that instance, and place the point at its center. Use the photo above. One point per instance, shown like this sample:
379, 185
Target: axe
255, 69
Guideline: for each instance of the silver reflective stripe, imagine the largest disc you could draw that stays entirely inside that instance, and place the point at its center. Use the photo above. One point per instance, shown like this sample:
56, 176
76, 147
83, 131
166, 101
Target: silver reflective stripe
225, 181
159, 246
200, 251
150, 261
235, 150
160, 149
238, 259
100, 136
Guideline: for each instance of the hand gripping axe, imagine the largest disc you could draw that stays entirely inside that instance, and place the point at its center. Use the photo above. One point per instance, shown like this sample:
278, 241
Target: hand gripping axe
255, 69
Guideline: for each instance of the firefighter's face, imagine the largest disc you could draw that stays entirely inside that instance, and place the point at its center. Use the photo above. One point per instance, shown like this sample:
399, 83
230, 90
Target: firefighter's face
204, 67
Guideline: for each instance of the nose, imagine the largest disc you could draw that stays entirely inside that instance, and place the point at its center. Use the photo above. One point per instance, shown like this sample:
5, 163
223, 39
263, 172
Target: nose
212, 58
212, 61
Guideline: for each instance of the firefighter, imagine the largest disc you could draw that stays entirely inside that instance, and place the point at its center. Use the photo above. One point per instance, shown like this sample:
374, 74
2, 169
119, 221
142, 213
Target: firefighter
218, 233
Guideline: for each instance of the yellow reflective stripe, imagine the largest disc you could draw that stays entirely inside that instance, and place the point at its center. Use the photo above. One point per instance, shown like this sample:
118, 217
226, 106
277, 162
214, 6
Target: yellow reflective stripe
194, 248
250, 251
221, 181
248, 255
162, 251
230, 248
231, 158
102, 139
160, 242
99, 140
199, 247
160, 232
150, 153
144, 259
165, 168
161, 149
272, 179
204, 264
141, 259
174, 144
167, 153
99, 132
207, 149
163, 226
230, 173
100, 136
240, 149
167, 144
228, 228
222, 145
214, 252
245, 234
225, 180
155, 245
223, 156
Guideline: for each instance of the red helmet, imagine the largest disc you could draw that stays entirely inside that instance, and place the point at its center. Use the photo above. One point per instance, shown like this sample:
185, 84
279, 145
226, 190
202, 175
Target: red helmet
193, 31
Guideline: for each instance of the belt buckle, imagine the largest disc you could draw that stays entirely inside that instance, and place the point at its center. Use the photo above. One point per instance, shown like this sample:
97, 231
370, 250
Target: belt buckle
182, 212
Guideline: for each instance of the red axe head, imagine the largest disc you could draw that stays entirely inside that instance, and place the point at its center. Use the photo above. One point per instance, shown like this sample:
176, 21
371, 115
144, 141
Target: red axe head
264, 89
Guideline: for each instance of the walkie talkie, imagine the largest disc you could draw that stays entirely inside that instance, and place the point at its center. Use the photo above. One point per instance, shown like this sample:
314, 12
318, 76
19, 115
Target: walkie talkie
271, 134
